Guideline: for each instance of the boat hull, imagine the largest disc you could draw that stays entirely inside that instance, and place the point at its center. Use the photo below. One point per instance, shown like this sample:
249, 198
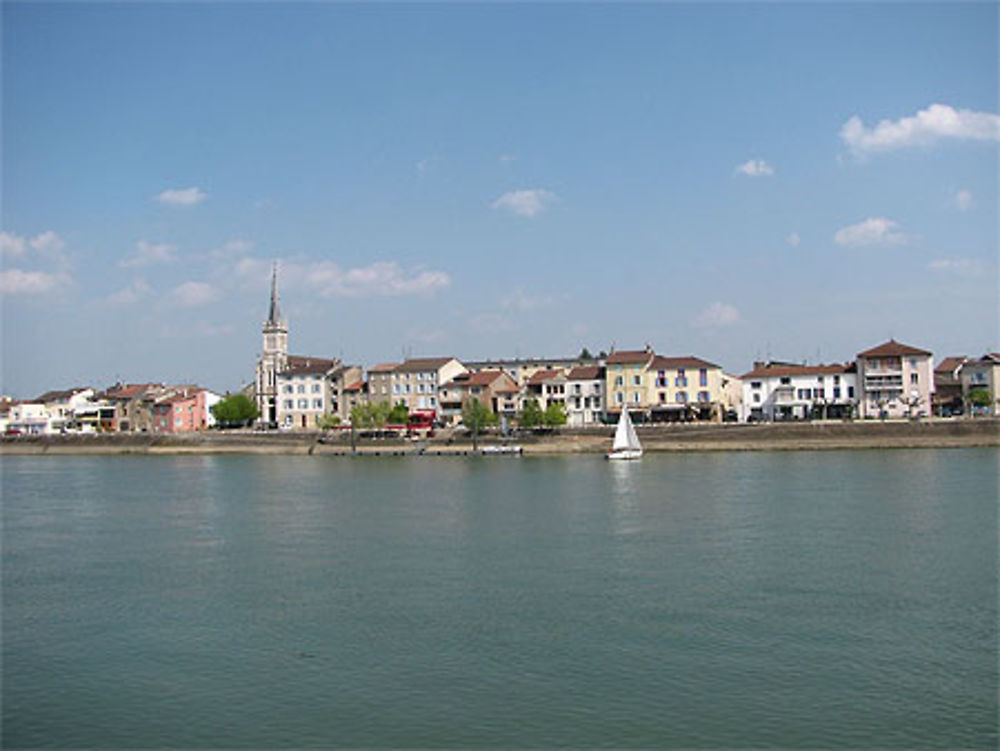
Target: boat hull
624, 454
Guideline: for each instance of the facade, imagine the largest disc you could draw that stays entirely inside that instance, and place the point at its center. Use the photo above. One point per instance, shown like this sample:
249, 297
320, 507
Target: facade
894, 380
133, 405
494, 389
62, 406
777, 391
732, 397
585, 396
684, 389
982, 375
414, 382
29, 418
948, 386
626, 376
183, 411
273, 358
547, 387
303, 392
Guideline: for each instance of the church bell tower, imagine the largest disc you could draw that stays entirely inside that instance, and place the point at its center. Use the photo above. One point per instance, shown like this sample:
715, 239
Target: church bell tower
273, 358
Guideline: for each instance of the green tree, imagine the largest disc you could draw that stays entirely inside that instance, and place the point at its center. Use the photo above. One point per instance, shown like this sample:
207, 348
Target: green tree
979, 398
476, 416
328, 421
399, 415
235, 410
585, 354
555, 415
531, 414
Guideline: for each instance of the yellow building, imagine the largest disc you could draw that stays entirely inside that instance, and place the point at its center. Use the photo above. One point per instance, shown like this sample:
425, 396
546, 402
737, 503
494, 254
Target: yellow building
664, 389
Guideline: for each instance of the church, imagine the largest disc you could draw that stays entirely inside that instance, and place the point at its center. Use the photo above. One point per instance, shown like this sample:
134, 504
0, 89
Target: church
293, 391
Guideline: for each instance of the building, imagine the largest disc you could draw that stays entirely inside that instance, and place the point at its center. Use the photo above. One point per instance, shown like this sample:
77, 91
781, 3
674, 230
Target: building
948, 386
521, 369
62, 406
625, 379
494, 389
303, 391
584, 403
982, 375
415, 382
684, 389
183, 410
547, 387
776, 391
133, 405
273, 358
894, 380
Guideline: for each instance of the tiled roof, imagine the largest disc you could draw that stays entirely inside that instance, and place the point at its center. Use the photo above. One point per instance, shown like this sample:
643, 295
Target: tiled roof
586, 373
422, 364
52, 396
541, 376
356, 386
784, 369
690, 361
299, 365
385, 367
624, 356
948, 364
482, 378
892, 348
131, 390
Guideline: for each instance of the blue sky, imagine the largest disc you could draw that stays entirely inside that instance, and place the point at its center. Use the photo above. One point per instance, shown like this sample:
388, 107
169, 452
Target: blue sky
492, 180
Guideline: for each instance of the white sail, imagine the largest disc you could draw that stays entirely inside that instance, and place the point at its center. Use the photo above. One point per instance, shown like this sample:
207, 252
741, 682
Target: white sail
625, 437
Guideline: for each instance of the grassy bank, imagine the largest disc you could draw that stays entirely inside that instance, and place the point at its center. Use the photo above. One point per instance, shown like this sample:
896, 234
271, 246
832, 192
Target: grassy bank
728, 437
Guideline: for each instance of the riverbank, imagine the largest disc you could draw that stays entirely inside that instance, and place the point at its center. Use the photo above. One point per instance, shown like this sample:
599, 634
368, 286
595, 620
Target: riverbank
714, 437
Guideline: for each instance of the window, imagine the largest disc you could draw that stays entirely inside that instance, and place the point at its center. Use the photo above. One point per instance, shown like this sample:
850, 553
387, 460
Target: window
619, 397
786, 381
756, 398
301, 388
619, 381
836, 379
635, 397
850, 392
681, 379
317, 404
681, 397
703, 396
432, 401
316, 388
289, 389
836, 392
914, 378
755, 384
663, 397
820, 393
703, 377
636, 380
289, 404
819, 379
661, 378
303, 404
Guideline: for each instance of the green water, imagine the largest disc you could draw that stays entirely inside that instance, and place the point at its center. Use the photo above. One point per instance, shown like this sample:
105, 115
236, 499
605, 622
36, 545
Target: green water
814, 599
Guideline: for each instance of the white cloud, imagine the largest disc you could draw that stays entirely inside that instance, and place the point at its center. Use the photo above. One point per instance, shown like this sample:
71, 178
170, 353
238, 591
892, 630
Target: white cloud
507, 158
525, 301
182, 196
200, 329
20, 282
192, 294
11, 245
231, 249
129, 295
424, 164
960, 266
872, 231
525, 202
755, 168
326, 278
793, 239
923, 129
381, 279
147, 254
716, 315
963, 200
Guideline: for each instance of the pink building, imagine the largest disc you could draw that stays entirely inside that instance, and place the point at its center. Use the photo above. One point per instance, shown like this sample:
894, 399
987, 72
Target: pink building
182, 412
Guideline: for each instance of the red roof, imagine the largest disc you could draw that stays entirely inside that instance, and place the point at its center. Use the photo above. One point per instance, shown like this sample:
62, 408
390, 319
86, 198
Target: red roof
131, 390
586, 373
690, 361
423, 364
892, 348
949, 364
385, 367
356, 386
624, 356
540, 376
300, 365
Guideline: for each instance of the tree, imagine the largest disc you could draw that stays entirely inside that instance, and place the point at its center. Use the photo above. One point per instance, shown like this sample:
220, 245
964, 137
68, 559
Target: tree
531, 414
371, 415
978, 398
476, 416
555, 415
235, 410
585, 354
328, 421
399, 415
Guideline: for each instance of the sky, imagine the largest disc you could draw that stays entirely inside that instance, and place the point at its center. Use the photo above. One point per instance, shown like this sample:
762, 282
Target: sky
790, 181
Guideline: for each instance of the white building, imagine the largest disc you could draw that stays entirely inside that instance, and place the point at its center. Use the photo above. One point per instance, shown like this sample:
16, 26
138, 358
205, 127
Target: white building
895, 380
784, 391
584, 400
303, 392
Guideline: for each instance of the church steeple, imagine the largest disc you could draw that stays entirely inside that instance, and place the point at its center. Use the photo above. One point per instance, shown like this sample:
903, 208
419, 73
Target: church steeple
274, 314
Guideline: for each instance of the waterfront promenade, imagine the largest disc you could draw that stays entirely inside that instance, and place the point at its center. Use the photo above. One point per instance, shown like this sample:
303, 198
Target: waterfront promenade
696, 437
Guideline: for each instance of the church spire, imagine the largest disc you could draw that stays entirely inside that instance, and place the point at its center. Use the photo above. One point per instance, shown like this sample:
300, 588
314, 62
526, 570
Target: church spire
274, 314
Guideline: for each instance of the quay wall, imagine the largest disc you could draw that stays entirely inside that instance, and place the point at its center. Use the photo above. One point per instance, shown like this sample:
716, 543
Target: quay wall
714, 437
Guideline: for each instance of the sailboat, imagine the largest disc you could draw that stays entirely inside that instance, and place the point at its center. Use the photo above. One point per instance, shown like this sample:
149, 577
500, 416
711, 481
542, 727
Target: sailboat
626, 444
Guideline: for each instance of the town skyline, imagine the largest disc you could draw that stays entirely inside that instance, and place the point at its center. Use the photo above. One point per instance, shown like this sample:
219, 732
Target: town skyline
736, 182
